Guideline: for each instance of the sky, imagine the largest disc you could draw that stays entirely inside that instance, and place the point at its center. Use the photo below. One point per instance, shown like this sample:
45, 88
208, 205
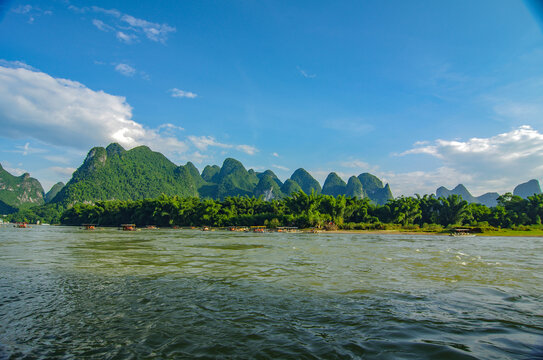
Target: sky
420, 93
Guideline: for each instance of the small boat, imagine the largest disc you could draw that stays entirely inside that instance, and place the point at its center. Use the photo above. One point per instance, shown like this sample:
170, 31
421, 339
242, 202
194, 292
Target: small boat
462, 233
128, 227
89, 226
205, 228
21, 225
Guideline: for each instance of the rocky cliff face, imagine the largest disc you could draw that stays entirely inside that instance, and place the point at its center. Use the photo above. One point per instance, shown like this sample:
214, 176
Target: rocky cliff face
20, 191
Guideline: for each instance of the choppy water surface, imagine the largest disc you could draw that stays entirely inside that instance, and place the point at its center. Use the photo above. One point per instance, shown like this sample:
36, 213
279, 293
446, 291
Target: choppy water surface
106, 294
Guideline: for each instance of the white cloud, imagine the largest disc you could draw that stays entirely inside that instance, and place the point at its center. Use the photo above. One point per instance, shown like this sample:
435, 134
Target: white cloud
426, 182
197, 157
125, 69
15, 65
101, 25
77, 9
27, 150
248, 149
275, 154
182, 94
169, 127
118, 22
31, 12
284, 168
504, 160
66, 113
113, 12
203, 142
305, 74
126, 38
153, 31
15, 171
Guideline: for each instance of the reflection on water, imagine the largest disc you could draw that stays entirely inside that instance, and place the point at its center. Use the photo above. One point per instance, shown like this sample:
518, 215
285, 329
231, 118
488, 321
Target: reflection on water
69, 293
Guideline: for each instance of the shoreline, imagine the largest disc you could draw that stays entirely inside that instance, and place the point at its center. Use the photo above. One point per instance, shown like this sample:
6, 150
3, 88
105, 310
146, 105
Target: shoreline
507, 232
498, 233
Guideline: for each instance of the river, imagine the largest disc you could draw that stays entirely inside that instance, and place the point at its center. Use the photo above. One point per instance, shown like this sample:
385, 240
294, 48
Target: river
67, 293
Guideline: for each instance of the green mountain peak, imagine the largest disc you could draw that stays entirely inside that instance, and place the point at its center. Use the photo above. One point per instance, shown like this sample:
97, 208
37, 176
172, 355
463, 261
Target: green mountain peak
354, 188
306, 182
333, 185
20, 191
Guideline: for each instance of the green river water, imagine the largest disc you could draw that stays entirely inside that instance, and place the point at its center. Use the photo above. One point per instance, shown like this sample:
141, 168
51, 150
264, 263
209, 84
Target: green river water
67, 293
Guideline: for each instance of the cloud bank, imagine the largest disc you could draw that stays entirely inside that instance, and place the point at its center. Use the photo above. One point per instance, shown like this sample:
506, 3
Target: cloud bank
496, 163
66, 113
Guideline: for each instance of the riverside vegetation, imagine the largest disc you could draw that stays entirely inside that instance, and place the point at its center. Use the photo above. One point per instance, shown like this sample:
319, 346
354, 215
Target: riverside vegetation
420, 213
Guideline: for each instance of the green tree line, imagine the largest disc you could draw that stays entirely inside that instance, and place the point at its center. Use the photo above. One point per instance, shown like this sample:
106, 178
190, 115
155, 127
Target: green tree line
299, 209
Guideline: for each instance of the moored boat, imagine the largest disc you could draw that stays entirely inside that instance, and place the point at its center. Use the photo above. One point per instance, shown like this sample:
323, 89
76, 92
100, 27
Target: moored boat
128, 227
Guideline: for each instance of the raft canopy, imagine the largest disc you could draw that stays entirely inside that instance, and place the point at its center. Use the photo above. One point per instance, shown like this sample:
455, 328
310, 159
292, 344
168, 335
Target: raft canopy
128, 226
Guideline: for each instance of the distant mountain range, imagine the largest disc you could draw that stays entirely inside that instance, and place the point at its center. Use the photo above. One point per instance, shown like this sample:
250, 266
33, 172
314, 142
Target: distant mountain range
115, 173
490, 199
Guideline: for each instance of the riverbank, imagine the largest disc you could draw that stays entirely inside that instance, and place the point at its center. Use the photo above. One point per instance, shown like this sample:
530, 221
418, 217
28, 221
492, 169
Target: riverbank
502, 232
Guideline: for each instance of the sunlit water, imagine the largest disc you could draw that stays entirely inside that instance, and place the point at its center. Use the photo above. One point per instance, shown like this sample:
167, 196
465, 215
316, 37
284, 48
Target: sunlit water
68, 293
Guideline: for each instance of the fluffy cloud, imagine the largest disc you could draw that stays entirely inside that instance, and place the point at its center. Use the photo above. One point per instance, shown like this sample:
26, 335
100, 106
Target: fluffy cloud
503, 160
67, 113
182, 94
426, 182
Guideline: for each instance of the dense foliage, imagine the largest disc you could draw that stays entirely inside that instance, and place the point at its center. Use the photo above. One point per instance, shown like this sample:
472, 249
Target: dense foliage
19, 191
301, 210
115, 173
55, 189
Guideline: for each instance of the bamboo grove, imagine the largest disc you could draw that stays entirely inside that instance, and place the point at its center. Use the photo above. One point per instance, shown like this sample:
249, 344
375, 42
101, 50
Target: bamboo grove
301, 210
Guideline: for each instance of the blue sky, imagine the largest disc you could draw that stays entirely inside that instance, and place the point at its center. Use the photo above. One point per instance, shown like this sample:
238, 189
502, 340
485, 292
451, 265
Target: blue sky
420, 93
